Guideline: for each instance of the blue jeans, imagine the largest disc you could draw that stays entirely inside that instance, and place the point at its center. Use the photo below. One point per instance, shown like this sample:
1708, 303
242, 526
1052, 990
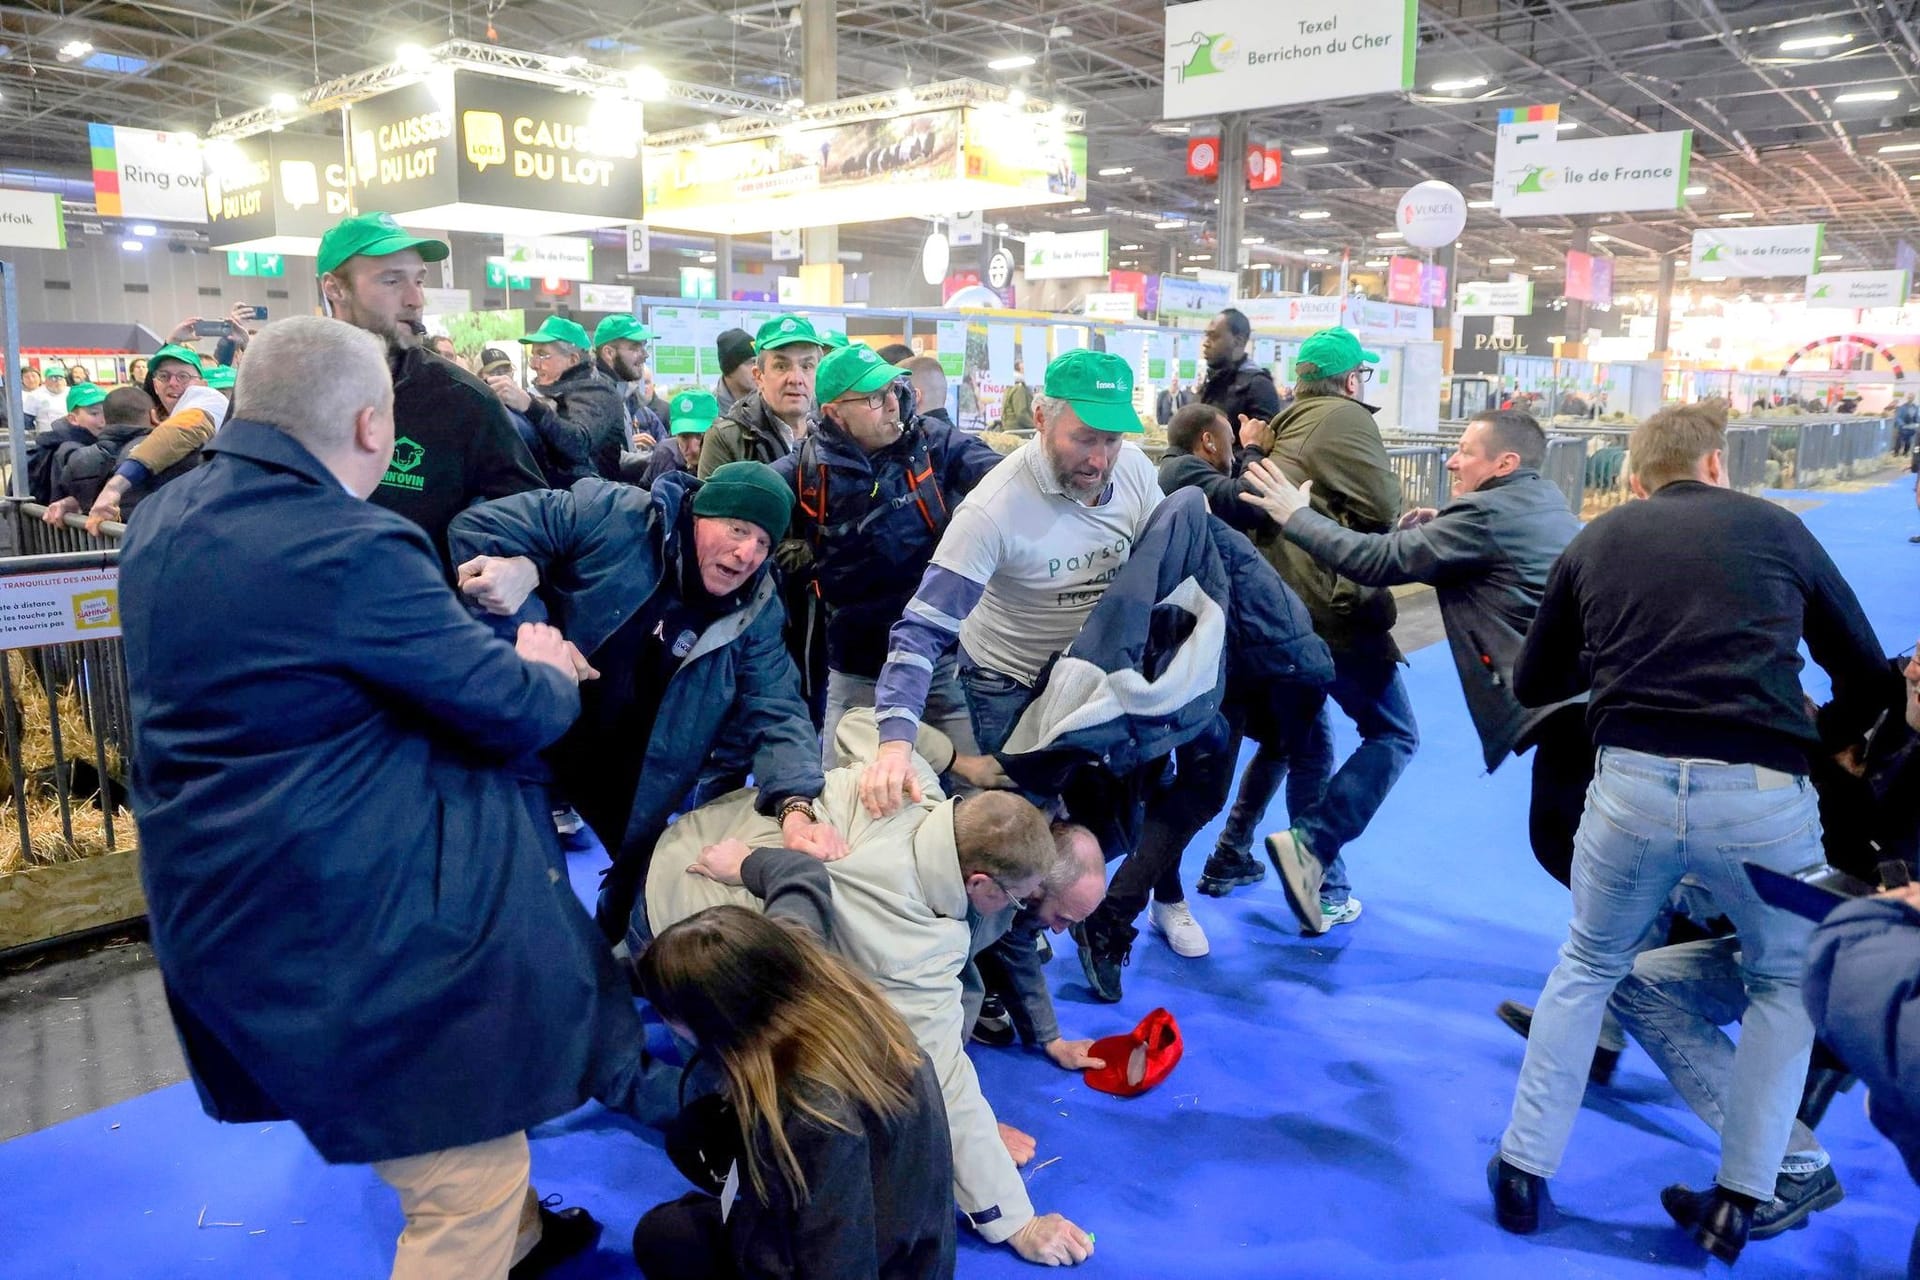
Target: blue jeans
1649, 821
946, 709
1674, 1003
1371, 693
1305, 770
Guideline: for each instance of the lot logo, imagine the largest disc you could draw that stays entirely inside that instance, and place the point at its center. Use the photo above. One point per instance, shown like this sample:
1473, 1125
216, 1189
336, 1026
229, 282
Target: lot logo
1210, 56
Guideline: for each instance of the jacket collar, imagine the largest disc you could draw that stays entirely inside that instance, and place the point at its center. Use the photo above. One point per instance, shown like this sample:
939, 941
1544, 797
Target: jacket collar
936, 856
573, 377
1515, 476
258, 442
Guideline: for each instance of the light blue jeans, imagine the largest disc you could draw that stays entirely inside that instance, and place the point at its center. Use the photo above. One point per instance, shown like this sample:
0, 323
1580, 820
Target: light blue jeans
946, 708
1649, 821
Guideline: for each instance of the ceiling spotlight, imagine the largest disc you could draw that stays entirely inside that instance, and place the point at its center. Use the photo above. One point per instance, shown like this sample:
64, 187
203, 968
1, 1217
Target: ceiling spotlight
1000, 227
132, 246
1735, 217
1380, 262
1253, 239
1199, 257
1833, 257
1301, 153
1870, 95
144, 229
572, 62
73, 50
1898, 147
1131, 248
1546, 268
412, 57
1694, 191
1012, 62
1500, 262
1171, 225
1313, 215
708, 259
1814, 42
1473, 82
906, 97
647, 84
1565, 125
1314, 253
1388, 235
1481, 204
284, 102
1016, 98
1117, 171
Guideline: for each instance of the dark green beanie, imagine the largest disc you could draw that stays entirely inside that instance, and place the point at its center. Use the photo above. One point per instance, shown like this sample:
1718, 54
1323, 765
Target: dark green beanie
750, 491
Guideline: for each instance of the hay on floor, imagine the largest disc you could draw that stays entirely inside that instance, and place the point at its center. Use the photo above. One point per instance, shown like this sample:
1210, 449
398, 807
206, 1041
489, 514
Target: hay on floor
47, 835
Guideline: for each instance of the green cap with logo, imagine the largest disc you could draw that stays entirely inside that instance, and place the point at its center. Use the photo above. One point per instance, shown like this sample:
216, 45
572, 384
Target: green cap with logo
185, 355
84, 395
620, 329
375, 235
836, 339
559, 329
787, 331
692, 412
1331, 353
56, 371
857, 367
1099, 386
221, 377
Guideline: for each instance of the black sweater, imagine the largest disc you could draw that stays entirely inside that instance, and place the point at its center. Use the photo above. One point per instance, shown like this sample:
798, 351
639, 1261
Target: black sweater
1684, 615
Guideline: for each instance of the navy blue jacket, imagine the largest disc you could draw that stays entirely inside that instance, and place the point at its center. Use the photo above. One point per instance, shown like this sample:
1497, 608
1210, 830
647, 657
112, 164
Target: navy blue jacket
1194, 618
600, 548
873, 521
1863, 992
357, 903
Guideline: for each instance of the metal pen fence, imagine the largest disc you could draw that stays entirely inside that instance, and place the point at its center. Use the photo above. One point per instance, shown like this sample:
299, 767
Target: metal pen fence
1566, 468
1804, 454
1423, 474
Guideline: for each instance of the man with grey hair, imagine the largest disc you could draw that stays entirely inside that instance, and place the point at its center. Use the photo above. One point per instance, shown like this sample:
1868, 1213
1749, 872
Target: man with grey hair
348, 865
572, 403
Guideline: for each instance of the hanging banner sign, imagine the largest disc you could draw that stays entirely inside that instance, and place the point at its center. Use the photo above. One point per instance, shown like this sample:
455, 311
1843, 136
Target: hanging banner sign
32, 220
472, 152
1203, 157
1182, 298
1403, 279
1489, 298
1111, 306
1602, 283
1593, 175
1757, 251
1066, 255
968, 229
1305, 313
606, 297
639, 250
138, 173
548, 257
1433, 286
1579, 285
1242, 55
272, 185
1858, 289
1263, 168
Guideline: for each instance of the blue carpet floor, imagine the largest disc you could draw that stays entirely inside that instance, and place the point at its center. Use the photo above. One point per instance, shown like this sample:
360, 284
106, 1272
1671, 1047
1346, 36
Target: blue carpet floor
1333, 1116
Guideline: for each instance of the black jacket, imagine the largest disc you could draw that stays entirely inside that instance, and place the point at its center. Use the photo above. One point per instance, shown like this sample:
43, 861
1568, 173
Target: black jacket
1684, 615
1245, 389
747, 432
43, 452
82, 470
454, 445
1182, 470
583, 405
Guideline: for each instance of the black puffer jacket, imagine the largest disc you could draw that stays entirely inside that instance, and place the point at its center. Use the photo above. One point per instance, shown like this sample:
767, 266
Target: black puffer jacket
1245, 389
583, 404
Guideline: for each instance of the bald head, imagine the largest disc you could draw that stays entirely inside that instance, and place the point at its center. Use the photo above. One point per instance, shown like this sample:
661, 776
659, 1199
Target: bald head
929, 381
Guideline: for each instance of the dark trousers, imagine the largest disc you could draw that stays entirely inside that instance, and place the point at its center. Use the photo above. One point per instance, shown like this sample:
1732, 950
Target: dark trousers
1562, 771
684, 1239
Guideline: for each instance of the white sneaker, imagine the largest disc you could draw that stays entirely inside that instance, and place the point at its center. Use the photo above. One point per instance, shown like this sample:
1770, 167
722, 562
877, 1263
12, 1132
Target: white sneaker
1344, 913
1174, 922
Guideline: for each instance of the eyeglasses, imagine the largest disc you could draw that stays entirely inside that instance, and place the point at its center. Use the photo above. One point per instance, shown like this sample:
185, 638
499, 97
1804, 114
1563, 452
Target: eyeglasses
1026, 900
876, 401
174, 375
1366, 373
541, 357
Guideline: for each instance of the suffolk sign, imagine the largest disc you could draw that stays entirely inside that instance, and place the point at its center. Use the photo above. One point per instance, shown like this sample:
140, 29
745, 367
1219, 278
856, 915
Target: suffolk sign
1757, 251
1241, 55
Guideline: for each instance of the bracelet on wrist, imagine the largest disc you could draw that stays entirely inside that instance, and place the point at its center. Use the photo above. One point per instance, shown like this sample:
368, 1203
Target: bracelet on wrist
796, 804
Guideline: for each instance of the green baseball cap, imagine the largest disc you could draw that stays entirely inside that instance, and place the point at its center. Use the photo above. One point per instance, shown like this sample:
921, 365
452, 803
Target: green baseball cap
836, 339
55, 371
620, 329
221, 377
856, 367
559, 329
1332, 352
787, 331
84, 395
1099, 386
185, 355
692, 412
374, 235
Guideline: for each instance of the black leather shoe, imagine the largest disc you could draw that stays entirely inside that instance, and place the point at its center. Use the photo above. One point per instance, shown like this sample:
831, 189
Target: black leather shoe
563, 1234
994, 1026
1796, 1197
1517, 1196
1716, 1223
1605, 1060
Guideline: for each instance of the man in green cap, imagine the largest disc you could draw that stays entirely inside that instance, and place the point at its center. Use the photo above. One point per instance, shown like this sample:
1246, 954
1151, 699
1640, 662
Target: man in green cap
875, 495
1327, 436
767, 425
48, 404
670, 593
454, 443
690, 415
81, 426
576, 411
620, 350
1014, 577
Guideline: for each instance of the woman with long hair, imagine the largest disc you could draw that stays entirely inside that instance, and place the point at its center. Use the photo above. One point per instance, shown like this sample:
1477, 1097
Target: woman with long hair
841, 1164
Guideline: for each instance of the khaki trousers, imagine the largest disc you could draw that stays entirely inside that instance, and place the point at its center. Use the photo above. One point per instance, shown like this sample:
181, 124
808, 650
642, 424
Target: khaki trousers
471, 1214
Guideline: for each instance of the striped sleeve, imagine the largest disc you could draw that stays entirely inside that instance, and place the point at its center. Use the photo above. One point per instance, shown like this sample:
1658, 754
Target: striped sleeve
926, 633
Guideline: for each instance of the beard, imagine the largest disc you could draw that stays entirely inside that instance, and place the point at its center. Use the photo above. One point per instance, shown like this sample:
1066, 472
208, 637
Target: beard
624, 369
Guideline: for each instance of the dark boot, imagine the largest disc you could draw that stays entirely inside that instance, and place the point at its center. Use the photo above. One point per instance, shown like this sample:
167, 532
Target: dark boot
1227, 870
563, 1234
1105, 949
1517, 1196
1718, 1220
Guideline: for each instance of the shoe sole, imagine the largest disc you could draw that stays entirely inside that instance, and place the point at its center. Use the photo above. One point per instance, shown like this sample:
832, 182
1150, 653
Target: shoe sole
1221, 886
1801, 1212
1724, 1250
1302, 898
1328, 924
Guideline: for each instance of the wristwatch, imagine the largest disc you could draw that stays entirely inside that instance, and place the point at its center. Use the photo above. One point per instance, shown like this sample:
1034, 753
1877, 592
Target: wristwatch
796, 804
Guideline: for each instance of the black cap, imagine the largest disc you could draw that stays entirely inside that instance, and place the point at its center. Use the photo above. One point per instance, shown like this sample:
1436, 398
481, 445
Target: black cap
735, 347
492, 356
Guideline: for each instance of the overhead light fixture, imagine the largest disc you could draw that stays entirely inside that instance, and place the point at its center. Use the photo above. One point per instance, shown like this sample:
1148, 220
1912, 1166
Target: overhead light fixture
1314, 253
1253, 239
1117, 171
1481, 204
1501, 262
1012, 62
1898, 147
1016, 98
412, 57
1171, 225
1301, 153
1454, 86
1082, 209
647, 84
1833, 257
708, 259
1388, 235
1913, 177
1694, 191
144, 229
1735, 217
1313, 215
1801, 43
132, 246
1710, 279
1000, 227
284, 102
796, 104
1869, 95
1600, 237
1380, 262
1199, 257
572, 62
73, 50
1565, 125
1546, 268
1131, 248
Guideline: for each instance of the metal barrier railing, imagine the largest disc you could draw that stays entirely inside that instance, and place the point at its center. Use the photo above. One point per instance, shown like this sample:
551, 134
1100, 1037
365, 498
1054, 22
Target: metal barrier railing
1747, 459
66, 723
1423, 475
1806, 454
1566, 468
